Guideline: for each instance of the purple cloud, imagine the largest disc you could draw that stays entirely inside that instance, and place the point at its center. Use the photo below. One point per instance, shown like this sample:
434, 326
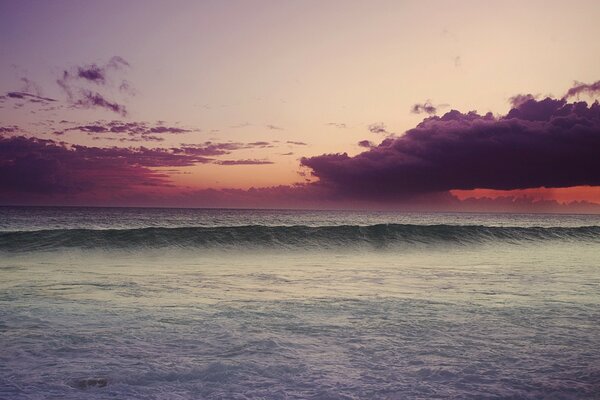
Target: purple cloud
92, 73
548, 143
209, 149
216, 148
29, 96
168, 129
8, 129
426, 107
92, 99
261, 144
295, 143
30, 165
243, 162
366, 143
76, 85
97, 73
142, 129
580, 88
517, 100
378, 128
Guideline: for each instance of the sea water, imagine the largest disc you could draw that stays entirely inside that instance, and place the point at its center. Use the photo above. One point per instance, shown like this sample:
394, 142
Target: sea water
108, 303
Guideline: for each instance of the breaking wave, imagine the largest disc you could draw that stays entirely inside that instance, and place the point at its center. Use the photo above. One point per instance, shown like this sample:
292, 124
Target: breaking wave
300, 236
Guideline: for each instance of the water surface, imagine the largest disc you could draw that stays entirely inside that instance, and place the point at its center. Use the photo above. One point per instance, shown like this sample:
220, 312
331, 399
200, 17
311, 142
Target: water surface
228, 304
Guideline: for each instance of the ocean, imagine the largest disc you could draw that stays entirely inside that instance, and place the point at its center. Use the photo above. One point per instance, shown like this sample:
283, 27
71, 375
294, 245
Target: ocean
126, 303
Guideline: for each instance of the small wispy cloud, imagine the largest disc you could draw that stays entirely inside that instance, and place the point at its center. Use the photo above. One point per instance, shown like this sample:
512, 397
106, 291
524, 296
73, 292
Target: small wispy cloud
426, 107
83, 85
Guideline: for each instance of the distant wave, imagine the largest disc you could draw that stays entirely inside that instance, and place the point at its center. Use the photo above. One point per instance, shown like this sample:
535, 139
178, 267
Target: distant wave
376, 236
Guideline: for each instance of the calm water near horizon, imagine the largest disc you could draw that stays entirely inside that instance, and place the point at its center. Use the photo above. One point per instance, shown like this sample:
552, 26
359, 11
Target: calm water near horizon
136, 303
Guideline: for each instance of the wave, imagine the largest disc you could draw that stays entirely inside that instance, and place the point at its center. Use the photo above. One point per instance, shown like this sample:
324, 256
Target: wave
259, 236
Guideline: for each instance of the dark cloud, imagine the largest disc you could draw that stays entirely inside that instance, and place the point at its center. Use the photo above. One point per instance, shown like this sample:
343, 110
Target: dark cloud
366, 143
518, 99
219, 148
379, 128
296, 143
145, 138
92, 73
90, 128
77, 81
549, 143
426, 107
261, 144
90, 99
97, 73
209, 148
8, 129
29, 96
337, 125
142, 129
168, 129
243, 162
30, 165
583, 88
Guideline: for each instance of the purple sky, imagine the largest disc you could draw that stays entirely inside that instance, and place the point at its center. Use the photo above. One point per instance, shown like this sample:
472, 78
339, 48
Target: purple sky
301, 104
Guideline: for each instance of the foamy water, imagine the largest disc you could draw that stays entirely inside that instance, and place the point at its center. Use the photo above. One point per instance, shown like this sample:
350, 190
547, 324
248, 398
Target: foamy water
311, 305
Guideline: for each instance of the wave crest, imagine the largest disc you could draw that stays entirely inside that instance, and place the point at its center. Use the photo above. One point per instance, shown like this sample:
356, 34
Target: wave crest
377, 236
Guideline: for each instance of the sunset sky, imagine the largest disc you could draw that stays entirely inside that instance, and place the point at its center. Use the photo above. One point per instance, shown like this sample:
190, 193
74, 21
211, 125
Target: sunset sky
449, 105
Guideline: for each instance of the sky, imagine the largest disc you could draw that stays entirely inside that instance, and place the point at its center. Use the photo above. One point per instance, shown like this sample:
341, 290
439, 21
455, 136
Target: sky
417, 105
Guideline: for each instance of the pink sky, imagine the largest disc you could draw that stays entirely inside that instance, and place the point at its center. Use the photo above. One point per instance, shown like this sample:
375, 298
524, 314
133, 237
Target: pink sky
194, 103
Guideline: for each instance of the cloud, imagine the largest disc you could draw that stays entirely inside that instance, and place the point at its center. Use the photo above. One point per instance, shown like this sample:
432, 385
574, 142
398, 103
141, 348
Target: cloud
142, 130
8, 129
518, 99
261, 144
584, 88
168, 129
83, 85
209, 148
274, 127
30, 86
28, 96
295, 143
379, 128
426, 107
539, 143
93, 73
220, 148
39, 166
548, 143
97, 73
243, 162
90, 99
339, 125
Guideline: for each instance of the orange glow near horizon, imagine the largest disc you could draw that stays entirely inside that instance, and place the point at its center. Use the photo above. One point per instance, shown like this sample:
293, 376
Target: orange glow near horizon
561, 195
